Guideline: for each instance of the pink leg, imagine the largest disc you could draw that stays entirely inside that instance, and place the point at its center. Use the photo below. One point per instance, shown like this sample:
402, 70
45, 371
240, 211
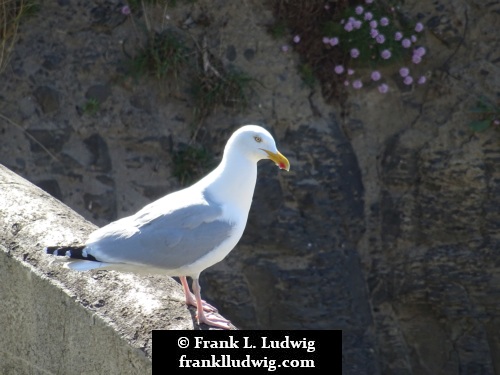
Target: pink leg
202, 318
191, 300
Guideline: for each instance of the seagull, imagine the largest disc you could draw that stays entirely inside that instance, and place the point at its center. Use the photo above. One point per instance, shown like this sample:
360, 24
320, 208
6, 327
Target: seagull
187, 231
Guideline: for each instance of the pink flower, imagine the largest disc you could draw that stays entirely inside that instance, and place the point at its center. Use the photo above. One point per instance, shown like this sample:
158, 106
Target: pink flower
384, 21
296, 39
380, 39
419, 27
404, 72
126, 10
326, 40
349, 26
284, 48
346, 83
373, 24
354, 53
339, 69
357, 24
413, 38
327, 7
333, 41
422, 80
350, 72
416, 59
376, 75
383, 88
398, 35
406, 43
357, 84
368, 16
386, 54
408, 80
373, 33
359, 9
420, 51
368, 1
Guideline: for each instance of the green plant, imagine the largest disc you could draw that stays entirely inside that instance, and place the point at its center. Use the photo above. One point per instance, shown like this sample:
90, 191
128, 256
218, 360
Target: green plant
278, 29
164, 55
359, 37
487, 114
212, 84
91, 107
11, 14
307, 74
29, 8
226, 88
352, 44
190, 162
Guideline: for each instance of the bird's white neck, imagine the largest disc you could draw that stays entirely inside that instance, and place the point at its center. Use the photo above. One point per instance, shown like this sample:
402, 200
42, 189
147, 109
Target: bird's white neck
233, 181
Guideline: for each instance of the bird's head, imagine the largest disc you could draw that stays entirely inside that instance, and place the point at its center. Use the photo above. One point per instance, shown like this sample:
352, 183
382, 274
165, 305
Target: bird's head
257, 143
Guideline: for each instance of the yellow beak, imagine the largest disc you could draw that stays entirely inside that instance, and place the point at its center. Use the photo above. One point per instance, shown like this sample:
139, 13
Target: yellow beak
279, 159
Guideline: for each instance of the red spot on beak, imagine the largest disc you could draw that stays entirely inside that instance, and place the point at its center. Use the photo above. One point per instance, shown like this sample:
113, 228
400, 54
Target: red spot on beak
282, 165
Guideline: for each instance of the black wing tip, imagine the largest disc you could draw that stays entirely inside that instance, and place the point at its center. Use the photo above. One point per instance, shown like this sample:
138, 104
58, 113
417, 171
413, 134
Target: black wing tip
73, 252
50, 249
62, 250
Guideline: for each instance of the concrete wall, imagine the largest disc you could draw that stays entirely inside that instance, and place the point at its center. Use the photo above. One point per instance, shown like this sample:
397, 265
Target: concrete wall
57, 321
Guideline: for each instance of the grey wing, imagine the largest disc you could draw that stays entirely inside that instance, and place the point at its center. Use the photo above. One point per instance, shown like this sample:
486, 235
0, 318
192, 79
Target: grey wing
169, 241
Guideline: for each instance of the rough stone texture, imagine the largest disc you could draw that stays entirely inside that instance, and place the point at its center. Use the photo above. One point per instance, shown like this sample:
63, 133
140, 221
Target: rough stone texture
387, 226
47, 98
58, 321
430, 250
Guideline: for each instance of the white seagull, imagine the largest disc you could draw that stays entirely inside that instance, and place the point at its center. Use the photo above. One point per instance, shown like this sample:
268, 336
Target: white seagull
187, 231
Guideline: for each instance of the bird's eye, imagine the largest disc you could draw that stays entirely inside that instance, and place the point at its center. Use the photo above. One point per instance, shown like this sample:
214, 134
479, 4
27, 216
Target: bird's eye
257, 139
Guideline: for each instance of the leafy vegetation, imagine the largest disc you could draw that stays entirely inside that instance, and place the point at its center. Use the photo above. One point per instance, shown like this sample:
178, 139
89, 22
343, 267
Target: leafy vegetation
167, 54
11, 14
164, 55
91, 107
226, 88
351, 44
190, 163
487, 115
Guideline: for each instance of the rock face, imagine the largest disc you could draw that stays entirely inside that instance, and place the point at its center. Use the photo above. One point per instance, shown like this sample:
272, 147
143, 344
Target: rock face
386, 226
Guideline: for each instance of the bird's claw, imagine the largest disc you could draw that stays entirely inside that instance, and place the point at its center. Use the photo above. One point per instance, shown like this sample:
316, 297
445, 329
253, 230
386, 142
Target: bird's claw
191, 300
214, 321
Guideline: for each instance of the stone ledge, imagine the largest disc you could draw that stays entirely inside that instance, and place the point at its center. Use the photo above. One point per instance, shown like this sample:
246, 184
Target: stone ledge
58, 321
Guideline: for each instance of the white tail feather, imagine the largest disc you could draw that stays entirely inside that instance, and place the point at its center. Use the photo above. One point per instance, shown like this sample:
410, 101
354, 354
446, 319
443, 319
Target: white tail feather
85, 265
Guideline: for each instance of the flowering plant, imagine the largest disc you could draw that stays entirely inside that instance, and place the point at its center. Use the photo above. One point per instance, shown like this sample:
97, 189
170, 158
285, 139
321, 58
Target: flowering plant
363, 43
372, 36
487, 115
